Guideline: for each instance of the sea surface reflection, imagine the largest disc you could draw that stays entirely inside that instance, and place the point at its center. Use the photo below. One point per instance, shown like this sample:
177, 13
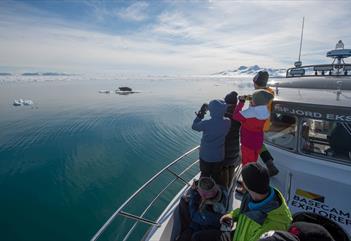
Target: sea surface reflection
69, 160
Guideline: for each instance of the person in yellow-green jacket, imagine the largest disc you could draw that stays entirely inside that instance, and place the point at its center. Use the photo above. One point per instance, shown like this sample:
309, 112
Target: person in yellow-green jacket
263, 208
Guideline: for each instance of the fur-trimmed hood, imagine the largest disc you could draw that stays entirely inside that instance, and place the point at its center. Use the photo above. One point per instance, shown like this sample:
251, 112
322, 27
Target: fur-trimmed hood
259, 112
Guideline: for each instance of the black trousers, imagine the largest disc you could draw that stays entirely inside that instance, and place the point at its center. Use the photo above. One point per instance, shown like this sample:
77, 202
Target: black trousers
222, 174
228, 175
212, 169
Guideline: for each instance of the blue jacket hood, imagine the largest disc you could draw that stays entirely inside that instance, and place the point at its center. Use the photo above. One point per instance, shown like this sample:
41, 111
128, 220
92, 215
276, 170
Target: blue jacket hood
217, 108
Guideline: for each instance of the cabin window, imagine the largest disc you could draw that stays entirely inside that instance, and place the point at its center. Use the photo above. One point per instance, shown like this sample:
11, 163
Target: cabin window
326, 138
283, 131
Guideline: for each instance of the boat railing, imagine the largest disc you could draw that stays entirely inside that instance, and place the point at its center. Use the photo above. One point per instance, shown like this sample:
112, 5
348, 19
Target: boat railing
140, 218
342, 69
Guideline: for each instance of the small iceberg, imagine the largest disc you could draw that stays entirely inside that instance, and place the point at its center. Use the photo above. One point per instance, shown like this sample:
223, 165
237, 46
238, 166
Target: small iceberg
21, 102
104, 91
18, 102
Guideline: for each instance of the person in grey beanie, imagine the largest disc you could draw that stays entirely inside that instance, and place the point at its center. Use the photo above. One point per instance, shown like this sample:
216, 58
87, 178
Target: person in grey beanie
252, 122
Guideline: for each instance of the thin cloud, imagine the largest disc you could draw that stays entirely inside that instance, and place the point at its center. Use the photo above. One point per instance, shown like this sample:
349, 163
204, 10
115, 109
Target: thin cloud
216, 36
135, 12
99, 9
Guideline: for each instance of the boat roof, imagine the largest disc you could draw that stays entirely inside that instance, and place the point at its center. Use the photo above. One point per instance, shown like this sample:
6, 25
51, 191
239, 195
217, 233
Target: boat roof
313, 82
314, 103
323, 97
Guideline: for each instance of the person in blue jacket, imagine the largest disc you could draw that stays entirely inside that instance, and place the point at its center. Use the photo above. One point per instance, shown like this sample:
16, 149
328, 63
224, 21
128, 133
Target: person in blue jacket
202, 207
214, 131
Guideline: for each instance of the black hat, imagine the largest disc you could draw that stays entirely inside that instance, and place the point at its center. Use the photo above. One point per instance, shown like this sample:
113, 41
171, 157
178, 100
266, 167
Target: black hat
261, 78
256, 178
231, 98
278, 236
310, 232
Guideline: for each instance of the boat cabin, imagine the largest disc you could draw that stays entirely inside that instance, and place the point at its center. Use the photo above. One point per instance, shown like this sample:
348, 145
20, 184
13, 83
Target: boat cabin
310, 140
315, 122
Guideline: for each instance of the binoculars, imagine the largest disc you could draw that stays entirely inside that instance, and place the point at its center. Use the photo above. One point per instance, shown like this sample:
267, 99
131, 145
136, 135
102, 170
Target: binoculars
248, 97
204, 108
245, 97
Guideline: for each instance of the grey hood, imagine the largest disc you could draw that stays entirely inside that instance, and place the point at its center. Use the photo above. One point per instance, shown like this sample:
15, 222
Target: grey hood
217, 108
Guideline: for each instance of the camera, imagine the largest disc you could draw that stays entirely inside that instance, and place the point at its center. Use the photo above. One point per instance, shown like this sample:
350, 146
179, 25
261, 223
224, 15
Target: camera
227, 226
204, 108
245, 97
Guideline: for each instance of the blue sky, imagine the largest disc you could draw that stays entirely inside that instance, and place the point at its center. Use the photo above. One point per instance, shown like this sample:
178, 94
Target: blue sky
166, 37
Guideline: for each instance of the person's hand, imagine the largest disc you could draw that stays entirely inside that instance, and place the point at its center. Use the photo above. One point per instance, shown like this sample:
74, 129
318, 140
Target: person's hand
193, 186
204, 107
188, 195
242, 98
202, 112
226, 219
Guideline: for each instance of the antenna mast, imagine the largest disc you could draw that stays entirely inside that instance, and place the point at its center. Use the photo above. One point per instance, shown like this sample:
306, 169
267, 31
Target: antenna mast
303, 23
299, 63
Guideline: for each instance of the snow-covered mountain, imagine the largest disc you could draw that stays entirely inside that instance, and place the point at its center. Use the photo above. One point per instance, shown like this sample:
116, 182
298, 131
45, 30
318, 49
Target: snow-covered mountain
245, 71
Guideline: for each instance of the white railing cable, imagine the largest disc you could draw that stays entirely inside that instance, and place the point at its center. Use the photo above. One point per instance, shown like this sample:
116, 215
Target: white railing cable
113, 216
157, 196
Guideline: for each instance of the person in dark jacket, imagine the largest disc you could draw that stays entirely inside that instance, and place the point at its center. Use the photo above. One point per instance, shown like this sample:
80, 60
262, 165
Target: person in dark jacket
339, 139
214, 132
201, 208
232, 141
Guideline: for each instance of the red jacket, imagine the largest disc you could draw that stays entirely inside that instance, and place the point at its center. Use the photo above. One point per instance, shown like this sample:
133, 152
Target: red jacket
252, 122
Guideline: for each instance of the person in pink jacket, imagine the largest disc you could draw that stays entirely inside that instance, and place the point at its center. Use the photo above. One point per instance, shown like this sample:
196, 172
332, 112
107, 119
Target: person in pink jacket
252, 123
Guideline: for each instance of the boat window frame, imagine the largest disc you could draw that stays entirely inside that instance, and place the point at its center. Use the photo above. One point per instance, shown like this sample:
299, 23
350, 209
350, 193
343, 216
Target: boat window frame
295, 146
329, 159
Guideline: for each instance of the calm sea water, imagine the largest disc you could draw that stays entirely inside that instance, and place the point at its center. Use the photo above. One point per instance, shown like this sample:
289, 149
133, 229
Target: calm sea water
71, 159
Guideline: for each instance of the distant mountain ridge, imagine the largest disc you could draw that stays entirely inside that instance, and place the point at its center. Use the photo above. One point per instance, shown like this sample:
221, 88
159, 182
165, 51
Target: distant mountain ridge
245, 71
44, 74
36, 74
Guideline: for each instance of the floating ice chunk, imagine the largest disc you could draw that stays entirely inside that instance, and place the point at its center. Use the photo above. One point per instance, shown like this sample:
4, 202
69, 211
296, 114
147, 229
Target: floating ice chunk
27, 102
104, 91
21, 102
17, 103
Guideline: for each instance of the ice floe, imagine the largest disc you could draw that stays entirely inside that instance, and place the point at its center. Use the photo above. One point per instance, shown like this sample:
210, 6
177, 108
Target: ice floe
21, 102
